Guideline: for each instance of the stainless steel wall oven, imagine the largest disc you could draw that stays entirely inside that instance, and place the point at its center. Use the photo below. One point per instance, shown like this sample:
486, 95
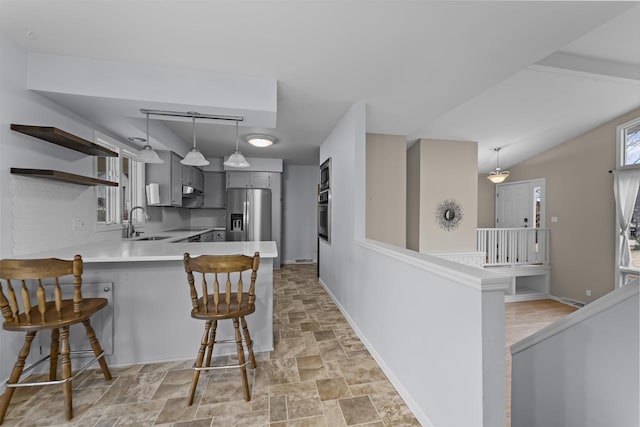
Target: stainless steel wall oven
325, 175
324, 215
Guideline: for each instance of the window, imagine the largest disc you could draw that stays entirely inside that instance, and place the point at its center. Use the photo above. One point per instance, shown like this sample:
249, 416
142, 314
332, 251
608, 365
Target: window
631, 137
628, 155
114, 203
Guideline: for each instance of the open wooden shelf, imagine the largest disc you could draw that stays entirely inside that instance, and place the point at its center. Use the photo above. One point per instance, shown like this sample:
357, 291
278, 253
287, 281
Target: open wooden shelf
64, 139
62, 176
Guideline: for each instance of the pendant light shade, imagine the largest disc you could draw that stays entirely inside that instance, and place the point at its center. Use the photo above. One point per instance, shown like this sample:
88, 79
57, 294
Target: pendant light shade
147, 155
497, 175
237, 160
194, 157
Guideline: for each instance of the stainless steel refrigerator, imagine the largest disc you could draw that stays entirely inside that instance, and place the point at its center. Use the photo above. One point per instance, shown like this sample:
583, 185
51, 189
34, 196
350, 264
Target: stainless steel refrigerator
248, 214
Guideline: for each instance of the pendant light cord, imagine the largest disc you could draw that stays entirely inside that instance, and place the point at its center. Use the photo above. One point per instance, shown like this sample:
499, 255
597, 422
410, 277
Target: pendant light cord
236, 136
194, 132
148, 142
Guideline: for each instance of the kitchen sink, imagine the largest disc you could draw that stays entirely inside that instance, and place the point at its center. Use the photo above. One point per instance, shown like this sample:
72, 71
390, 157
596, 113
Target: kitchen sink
152, 238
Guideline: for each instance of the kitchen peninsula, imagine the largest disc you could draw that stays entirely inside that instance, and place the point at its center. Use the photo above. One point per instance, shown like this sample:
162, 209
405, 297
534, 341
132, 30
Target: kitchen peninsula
150, 300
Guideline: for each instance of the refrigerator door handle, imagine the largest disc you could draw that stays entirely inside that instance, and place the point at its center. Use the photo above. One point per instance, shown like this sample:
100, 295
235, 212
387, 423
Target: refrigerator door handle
245, 231
249, 198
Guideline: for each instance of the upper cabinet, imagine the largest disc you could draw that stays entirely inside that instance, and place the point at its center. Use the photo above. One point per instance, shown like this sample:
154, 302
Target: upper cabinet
248, 179
67, 140
215, 192
193, 177
168, 175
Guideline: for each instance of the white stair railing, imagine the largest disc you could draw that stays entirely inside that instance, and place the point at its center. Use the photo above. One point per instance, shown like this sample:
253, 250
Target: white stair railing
581, 371
514, 246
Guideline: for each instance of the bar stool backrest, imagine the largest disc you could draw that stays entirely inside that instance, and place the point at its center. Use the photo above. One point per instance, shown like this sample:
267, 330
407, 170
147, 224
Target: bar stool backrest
233, 295
27, 279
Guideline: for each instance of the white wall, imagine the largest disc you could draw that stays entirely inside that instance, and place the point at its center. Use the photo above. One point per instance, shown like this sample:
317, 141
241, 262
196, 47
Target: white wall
38, 205
35, 214
584, 375
435, 327
299, 220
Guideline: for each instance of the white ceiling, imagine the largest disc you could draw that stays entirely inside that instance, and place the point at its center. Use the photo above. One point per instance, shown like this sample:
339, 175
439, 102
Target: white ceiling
459, 70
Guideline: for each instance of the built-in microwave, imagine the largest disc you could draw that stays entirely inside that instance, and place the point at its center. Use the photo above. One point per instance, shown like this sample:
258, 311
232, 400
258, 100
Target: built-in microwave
325, 175
324, 215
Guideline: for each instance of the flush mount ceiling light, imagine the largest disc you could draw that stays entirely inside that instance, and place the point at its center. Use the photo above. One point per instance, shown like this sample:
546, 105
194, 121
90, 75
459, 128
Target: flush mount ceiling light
147, 155
260, 140
237, 160
194, 157
497, 175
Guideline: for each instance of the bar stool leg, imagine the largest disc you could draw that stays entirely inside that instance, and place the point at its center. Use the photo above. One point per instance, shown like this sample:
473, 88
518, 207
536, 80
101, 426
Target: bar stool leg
241, 361
212, 340
53, 353
16, 372
199, 360
97, 349
247, 339
66, 371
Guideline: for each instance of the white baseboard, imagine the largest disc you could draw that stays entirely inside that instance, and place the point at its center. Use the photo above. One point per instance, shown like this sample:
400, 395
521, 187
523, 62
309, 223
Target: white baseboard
530, 297
404, 394
298, 261
568, 301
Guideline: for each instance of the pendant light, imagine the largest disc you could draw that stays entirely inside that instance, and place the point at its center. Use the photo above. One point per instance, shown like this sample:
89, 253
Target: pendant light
147, 155
498, 175
237, 160
194, 157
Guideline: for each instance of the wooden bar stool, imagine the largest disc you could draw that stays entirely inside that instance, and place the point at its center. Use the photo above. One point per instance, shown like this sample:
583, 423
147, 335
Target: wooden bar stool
36, 313
229, 303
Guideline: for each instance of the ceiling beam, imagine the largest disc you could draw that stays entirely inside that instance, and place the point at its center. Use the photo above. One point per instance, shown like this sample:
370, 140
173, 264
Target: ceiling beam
583, 65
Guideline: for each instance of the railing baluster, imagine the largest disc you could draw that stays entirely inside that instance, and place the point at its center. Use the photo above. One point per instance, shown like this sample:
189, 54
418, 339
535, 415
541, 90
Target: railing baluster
513, 246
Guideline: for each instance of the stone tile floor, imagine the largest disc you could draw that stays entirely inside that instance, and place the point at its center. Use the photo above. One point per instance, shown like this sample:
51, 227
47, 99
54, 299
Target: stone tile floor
319, 374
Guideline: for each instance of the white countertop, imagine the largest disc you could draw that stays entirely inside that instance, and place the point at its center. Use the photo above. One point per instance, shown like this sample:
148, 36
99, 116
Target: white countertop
135, 250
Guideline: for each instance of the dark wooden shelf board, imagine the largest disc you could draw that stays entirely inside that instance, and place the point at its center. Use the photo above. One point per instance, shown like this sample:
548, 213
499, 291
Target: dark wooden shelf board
64, 139
62, 176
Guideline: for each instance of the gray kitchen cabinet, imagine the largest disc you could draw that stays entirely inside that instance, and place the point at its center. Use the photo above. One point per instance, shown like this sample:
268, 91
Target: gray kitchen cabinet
168, 175
198, 180
248, 179
187, 175
215, 191
192, 176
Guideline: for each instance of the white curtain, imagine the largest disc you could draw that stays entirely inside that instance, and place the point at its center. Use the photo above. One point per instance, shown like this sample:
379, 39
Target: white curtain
625, 189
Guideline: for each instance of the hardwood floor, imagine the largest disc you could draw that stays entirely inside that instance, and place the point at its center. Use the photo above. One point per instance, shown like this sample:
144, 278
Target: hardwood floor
523, 319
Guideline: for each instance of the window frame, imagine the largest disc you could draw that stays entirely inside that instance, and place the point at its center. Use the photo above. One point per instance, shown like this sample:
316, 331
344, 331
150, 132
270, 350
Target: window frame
621, 272
137, 192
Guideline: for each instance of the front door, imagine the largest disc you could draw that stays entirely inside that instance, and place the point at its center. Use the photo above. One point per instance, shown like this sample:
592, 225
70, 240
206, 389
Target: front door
520, 204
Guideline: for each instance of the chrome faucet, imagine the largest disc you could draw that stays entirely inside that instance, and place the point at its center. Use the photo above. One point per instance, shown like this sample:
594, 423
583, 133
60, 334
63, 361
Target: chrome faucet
130, 230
